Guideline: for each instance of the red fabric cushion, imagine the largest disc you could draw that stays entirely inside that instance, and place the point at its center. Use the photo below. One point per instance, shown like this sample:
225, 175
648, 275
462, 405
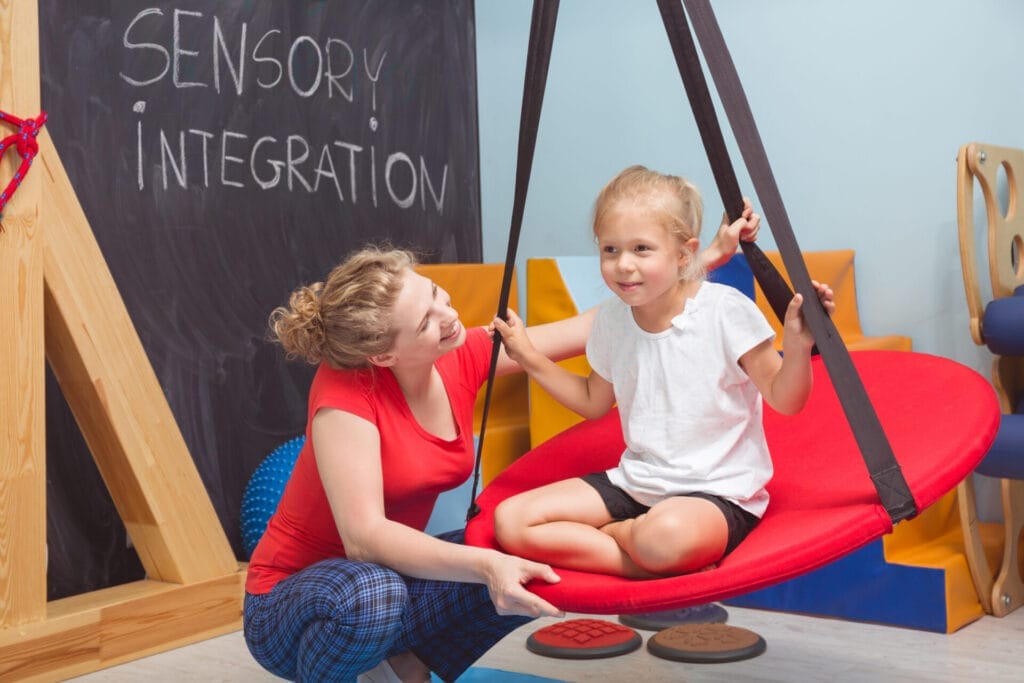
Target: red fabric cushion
940, 418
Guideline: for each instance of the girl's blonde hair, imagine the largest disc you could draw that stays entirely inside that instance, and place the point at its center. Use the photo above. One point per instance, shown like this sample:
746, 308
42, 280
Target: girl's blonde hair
672, 201
345, 319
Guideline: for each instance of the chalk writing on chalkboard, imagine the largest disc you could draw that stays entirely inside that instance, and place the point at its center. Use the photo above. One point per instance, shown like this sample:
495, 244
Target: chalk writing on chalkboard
290, 158
224, 152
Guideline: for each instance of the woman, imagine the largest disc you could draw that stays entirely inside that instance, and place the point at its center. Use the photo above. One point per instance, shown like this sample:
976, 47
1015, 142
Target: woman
344, 580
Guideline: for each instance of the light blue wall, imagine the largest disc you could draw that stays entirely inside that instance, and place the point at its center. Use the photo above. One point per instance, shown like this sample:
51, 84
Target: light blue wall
861, 105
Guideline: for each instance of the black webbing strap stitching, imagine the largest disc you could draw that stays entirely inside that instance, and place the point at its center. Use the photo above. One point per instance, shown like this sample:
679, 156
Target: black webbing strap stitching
538, 57
885, 472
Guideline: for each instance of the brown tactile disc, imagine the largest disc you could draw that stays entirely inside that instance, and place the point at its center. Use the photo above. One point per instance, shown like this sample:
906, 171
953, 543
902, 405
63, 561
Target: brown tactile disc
583, 639
706, 643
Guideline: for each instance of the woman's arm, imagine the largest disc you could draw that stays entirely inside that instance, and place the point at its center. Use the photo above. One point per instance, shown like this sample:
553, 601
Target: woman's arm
348, 458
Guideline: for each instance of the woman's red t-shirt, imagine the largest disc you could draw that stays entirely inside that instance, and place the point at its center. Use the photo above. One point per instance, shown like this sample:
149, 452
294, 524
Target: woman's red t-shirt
416, 465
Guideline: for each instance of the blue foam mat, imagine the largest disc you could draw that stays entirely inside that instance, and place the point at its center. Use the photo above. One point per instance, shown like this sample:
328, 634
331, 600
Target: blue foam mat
861, 586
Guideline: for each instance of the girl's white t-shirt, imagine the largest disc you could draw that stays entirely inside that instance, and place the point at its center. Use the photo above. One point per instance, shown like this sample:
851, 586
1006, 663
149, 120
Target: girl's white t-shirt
691, 417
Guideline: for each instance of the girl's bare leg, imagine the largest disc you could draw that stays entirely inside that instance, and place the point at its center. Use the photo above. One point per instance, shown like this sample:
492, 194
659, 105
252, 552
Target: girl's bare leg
560, 524
676, 536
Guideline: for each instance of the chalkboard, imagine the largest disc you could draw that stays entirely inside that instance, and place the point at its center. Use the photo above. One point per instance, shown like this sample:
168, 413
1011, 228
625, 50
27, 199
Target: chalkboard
225, 152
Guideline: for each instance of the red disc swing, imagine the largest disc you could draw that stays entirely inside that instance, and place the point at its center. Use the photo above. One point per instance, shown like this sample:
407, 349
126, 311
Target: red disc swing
838, 483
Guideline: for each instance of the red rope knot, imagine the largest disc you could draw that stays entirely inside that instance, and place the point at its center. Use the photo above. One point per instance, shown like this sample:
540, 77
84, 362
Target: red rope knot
24, 142
27, 132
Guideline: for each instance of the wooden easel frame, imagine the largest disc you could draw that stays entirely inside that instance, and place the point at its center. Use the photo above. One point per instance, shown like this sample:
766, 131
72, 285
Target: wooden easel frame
999, 592
59, 302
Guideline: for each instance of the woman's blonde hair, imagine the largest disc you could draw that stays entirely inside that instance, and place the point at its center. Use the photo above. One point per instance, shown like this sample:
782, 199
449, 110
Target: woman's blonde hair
672, 201
345, 319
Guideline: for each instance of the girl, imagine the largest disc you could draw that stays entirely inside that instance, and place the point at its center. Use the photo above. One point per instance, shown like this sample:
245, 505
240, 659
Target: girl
344, 580
688, 363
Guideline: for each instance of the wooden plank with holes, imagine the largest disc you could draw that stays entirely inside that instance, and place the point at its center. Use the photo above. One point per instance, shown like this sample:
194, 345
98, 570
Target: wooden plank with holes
22, 360
1007, 588
999, 591
1005, 232
965, 227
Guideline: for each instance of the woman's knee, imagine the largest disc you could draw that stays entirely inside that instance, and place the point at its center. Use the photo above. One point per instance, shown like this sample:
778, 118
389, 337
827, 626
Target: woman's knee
362, 596
371, 596
335, 606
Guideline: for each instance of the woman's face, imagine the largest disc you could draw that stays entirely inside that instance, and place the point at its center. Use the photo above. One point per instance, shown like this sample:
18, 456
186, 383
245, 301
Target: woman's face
428, 327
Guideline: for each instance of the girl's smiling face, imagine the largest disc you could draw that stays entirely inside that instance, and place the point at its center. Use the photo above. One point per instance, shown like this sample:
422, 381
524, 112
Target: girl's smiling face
641, 260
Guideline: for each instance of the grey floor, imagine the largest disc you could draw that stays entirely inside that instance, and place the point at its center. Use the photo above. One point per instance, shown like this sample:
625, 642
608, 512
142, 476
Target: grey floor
800, 648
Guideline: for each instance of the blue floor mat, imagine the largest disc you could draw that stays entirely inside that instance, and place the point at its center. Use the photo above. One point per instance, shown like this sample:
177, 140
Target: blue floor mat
478, 674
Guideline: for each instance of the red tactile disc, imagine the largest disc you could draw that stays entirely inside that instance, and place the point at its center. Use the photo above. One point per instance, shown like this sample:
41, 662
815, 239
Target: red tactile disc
583, 639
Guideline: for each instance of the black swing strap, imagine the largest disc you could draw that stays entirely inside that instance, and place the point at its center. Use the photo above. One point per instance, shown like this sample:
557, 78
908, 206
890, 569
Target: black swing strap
881, 463
774, 286
538, 57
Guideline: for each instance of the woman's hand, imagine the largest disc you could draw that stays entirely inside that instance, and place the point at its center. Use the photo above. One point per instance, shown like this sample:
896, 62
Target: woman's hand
507, 577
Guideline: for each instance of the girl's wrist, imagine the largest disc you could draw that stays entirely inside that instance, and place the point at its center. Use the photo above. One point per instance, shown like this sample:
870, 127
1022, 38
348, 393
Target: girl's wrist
531, 360
797, 346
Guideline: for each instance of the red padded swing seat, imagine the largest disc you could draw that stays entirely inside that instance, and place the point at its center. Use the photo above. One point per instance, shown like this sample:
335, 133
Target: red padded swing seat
939, 416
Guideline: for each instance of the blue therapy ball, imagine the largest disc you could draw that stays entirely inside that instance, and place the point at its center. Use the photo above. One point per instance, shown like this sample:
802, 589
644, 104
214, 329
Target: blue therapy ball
264, 490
